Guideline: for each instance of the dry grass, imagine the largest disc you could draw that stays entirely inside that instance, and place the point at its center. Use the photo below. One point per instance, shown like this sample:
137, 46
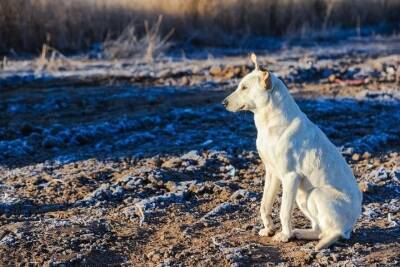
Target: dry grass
74, 24
51, 59
128, 45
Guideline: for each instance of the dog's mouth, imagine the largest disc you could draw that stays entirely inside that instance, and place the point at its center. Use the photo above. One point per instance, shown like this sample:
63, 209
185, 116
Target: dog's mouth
241, 108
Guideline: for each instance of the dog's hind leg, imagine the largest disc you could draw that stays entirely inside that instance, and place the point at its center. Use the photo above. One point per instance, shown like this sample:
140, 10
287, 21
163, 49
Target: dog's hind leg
307, 234
327, 240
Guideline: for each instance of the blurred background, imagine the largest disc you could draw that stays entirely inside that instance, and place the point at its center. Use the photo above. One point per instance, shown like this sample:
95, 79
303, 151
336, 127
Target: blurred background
74, 25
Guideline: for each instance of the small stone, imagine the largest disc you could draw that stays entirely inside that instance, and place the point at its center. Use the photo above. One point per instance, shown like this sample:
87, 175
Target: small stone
171, 186
150, 254
229, 73
156, 257
376, 162
366, 155
380, 174
162, 237
355, 157
185, 81
172, 163
216, 71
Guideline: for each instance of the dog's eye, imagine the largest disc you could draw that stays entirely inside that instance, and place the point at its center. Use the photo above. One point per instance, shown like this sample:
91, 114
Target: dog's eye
244, 87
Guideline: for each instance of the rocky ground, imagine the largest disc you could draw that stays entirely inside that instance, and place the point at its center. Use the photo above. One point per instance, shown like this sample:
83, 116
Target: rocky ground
127, 163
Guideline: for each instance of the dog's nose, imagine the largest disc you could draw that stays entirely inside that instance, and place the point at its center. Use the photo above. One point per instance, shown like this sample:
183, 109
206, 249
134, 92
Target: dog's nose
225, 102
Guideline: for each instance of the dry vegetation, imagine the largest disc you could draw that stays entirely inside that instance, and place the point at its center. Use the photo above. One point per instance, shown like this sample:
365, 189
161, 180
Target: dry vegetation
73, 25
128, 45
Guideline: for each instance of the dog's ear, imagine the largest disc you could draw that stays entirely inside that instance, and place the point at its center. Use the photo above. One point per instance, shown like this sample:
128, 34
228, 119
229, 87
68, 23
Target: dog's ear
254, 59
266, 80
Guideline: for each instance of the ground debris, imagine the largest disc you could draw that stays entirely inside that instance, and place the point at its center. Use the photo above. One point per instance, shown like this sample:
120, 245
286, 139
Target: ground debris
125, 163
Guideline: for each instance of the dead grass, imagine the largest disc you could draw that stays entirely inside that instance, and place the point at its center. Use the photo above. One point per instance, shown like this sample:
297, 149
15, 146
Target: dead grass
51, 59
73, 25
128, 45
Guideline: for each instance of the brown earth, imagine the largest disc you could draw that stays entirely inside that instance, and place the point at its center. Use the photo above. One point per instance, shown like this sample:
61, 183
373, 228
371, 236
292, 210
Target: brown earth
143, 174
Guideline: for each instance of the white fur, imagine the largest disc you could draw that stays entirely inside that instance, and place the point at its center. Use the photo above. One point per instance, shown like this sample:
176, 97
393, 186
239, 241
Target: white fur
298, 155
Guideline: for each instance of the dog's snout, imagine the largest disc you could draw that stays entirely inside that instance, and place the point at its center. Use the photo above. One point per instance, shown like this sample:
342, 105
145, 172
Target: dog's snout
225, 102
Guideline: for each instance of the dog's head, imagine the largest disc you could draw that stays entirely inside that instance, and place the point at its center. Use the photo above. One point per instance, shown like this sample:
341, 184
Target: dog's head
252, 92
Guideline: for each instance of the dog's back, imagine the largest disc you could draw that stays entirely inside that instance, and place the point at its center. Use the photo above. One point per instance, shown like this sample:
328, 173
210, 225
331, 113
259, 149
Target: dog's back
326, 174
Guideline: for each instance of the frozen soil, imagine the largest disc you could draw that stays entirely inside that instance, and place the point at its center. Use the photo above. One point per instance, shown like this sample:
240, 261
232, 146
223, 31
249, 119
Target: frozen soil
125, 163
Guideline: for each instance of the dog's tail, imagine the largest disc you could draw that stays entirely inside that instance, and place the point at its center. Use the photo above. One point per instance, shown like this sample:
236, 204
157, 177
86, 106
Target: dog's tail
328, 240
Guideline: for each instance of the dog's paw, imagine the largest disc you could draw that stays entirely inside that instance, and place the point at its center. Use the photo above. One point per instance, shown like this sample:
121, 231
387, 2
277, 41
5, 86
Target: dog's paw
265, 232
281, 237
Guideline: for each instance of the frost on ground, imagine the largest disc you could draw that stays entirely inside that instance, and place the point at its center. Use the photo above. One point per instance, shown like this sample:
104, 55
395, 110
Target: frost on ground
127, 163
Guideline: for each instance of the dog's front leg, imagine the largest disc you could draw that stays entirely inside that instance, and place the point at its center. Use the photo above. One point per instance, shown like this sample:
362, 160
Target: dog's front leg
290, 184
271, 186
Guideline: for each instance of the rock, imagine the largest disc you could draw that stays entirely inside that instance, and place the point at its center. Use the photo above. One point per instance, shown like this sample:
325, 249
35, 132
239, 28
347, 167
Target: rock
185, 81
243, 194
371, 211
171, 186
355, 157
395, 174
156, 177
229, 73
150, 255
216, 71
219, 210
132, 182
156, 257
8, 241
172, 163
231, 170
165, 73
376, 163
162, 236
192, 155
106, 192
366, 155
347, 150
380, 174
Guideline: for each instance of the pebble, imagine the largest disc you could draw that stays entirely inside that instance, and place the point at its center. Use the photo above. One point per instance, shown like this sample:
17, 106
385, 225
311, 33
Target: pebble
380, 174
171, 186
216, 71
355, 157
184, 81
366, 155
172, 163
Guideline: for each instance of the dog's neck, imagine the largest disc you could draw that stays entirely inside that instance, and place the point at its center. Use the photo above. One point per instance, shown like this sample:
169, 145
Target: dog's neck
277, 115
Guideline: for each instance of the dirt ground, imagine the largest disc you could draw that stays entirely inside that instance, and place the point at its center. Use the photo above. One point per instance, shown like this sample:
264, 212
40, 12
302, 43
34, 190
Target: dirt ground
125, 163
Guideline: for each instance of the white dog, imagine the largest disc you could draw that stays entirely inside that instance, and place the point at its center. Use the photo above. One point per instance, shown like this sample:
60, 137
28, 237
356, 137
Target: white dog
298, 155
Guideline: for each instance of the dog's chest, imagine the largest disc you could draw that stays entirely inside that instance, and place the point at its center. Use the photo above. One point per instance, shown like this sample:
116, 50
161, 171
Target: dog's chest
266, 147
